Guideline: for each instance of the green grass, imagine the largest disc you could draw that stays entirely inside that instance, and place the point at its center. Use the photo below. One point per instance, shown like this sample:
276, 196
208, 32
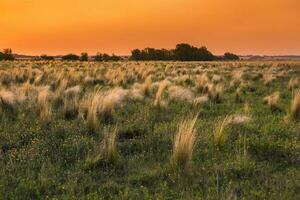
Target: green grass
259, 160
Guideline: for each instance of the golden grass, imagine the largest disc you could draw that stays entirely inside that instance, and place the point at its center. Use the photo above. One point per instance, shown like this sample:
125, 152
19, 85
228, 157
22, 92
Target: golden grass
272, 100
294, 114
219, 133
44, 106
201, 82
109, 151
158, 102
184, 143
181, 93
8, 100
293, 83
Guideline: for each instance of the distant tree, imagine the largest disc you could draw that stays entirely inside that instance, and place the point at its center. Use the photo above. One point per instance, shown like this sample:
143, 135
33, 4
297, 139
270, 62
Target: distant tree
136, 54
105, 57
98, 57
115, 58
230, 56
186, 52
84, 57
70, 57
6, 55
45, 57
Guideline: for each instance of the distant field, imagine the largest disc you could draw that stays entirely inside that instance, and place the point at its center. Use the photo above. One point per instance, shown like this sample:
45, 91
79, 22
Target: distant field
149, 130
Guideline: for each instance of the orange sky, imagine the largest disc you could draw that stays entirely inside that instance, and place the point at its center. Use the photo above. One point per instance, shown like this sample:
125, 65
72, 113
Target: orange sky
118, 26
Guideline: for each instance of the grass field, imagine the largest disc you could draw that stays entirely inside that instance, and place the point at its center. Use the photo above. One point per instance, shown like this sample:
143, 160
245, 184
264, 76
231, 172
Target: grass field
149, 130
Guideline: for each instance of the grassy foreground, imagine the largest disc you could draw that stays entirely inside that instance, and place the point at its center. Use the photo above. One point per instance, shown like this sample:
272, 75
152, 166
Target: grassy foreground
113, 136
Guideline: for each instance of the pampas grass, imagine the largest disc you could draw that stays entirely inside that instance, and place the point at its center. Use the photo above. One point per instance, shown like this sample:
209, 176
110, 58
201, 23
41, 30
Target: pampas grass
200, 100
268, 78
181, 94
201, 82
219, 133
8, 100
272, 100
105, 152
158, 102
215, 92
238, 98
184, 143
92, 110
102, 104
44, 106
294, 114
293, 83
109, 151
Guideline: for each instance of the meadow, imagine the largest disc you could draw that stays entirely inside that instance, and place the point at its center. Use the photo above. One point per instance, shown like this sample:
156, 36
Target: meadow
149, 130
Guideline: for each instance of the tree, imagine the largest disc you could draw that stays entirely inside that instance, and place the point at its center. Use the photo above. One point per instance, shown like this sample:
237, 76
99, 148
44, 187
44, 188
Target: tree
84, 57
105, 57
230, 56
70, 57
45, 57
98, 57
6, 55
136, 54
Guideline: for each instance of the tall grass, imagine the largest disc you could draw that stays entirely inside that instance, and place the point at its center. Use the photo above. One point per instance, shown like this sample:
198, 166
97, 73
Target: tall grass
44, 107
158, 102
184, 143
272, 100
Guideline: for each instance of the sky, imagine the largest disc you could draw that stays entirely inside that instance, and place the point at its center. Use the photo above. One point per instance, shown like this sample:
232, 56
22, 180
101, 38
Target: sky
53, 27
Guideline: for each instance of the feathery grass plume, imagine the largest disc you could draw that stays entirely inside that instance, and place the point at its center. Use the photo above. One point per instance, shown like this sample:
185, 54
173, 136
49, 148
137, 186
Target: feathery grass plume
109, 151
71, 102
89, 80
247, 109
38, 79
8, 101
27, 87
135, 95
237, 76
184, 143
159, 94
268, 78
180, 93
92, 110
293, 83
110, 100
217, 78
238, 98
201, 82
294, 114
200, 100
102, 104
146, 87
239, 119
58, 95
215, 92
106, 152
219, 133
44, 107
272, 100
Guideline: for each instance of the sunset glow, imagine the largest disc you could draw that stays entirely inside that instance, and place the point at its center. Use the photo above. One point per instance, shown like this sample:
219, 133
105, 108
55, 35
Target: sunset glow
118, 26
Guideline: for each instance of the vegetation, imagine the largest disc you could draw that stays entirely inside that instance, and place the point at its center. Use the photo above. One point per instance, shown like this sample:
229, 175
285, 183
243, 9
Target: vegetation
106, 57
70, 57
149, 130
46, 57
6, 55
182, 52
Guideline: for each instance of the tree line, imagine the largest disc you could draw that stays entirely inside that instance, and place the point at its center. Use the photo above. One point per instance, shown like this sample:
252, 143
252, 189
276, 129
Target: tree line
182, 52
6, 54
